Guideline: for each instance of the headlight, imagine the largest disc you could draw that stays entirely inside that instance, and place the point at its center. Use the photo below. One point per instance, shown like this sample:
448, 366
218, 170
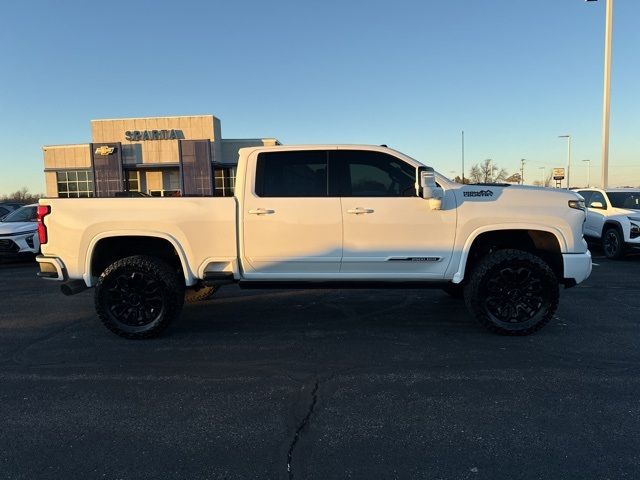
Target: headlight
577, 204
635, 230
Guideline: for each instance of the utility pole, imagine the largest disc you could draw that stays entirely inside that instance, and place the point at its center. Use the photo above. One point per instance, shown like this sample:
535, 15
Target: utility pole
522, 160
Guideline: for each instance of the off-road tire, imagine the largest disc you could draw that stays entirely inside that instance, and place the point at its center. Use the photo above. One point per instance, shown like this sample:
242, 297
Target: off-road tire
512, 292
613, 243
454, 290
138, 297
191, 295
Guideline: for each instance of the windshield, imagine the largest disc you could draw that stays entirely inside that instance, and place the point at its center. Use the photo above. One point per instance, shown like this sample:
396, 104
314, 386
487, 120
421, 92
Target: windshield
629, 200
23, 214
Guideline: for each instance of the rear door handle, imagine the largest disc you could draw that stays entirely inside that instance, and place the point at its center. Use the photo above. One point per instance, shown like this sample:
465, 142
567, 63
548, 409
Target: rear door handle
360, 211
261, 211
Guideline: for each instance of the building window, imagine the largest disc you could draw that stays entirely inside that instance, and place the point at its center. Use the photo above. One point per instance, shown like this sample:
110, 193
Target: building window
164, 193
133, 181
166, 183
225, 181
74, 183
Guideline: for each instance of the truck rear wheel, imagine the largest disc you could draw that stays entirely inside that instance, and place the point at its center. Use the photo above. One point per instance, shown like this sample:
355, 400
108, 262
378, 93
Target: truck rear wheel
138, 297
512, 292
191, 295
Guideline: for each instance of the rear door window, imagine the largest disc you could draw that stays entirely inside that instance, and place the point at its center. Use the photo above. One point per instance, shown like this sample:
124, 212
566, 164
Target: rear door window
292, 174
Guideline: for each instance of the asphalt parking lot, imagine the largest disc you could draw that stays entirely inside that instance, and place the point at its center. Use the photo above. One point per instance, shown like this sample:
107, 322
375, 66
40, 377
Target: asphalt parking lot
321, 384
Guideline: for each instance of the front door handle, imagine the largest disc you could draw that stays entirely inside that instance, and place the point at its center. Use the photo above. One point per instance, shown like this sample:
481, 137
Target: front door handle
261, 211
360, 211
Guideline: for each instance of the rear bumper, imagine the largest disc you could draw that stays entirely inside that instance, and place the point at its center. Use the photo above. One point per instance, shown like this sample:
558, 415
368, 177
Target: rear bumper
577, 267
51, 268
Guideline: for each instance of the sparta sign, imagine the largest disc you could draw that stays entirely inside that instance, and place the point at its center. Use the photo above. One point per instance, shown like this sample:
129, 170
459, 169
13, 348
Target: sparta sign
558, 173
135, 135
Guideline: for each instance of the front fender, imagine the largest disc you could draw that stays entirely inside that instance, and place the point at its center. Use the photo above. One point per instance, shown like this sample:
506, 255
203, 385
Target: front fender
459, 267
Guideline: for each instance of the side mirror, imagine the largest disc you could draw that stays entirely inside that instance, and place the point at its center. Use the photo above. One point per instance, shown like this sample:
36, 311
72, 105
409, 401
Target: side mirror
596, 205
430, 190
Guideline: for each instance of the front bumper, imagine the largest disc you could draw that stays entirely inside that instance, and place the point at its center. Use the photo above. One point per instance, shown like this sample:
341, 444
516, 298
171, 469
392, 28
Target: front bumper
577, 267
19, 243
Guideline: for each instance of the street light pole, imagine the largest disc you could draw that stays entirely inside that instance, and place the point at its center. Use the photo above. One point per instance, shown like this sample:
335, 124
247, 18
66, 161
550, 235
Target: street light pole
588, 172
568, 137
462, 157
606, 102
606, 97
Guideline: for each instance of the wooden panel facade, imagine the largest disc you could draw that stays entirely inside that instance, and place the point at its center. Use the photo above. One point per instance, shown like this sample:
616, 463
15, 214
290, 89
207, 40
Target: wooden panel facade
67, 156
162, 150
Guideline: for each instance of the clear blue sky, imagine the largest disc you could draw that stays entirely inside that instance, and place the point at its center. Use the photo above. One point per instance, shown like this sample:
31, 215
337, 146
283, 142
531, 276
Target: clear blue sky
513, 74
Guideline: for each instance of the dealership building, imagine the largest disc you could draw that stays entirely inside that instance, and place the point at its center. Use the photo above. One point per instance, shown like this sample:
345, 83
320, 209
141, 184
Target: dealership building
158, 156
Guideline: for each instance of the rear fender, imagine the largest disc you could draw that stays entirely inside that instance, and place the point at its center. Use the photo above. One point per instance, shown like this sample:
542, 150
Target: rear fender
189, 277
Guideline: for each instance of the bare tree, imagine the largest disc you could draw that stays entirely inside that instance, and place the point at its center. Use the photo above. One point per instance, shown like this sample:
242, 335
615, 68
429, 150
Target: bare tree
459, 180
22, 195
487, 172
546, 183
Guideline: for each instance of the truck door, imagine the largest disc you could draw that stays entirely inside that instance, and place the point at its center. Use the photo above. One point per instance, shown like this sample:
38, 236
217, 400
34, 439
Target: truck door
389, 232
291, 227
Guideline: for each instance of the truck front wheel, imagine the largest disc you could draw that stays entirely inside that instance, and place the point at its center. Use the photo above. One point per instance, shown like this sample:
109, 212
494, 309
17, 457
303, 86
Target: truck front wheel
138, 297
512, 292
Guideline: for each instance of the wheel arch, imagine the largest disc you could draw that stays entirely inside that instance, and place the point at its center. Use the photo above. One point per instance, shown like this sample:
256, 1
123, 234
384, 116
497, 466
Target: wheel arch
612, 223
131, 243
541, 239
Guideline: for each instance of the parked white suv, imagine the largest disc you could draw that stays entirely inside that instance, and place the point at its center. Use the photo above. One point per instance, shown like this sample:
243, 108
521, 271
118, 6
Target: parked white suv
613, 219
18, 232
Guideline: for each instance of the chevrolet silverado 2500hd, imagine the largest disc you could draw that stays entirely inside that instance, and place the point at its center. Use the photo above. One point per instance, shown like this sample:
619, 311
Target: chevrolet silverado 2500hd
332, 216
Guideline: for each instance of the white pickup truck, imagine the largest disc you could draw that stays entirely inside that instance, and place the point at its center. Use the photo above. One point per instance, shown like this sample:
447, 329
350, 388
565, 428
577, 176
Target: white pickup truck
330, 216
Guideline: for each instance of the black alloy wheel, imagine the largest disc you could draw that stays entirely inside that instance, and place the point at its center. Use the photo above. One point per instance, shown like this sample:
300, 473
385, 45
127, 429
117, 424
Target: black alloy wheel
612, 243
139, 296
135, 298
512, 292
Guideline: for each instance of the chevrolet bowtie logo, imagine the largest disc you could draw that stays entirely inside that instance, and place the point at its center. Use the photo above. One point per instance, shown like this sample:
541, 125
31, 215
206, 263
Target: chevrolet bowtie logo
104, 150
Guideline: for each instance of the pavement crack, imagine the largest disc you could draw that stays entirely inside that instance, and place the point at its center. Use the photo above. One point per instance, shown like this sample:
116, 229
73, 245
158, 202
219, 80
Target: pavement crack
303, 424
14, 357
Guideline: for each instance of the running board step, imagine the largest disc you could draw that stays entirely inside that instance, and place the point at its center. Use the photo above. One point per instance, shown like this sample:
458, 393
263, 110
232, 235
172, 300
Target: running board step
217, 278
340, 284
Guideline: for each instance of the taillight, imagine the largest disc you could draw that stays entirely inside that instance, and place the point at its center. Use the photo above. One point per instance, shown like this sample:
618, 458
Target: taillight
43, 211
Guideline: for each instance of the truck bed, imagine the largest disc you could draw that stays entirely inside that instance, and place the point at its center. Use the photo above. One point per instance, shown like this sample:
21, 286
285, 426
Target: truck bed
197, 227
